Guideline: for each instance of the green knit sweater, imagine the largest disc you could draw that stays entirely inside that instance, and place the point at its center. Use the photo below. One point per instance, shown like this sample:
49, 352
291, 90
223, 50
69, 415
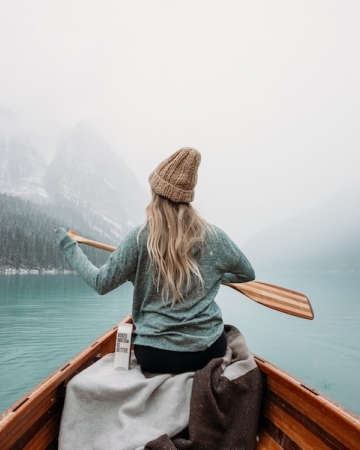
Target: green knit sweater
191, 325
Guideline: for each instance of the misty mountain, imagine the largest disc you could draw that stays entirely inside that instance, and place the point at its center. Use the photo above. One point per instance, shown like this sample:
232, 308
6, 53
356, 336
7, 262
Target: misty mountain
22, 167
86, 178
86, 186
323, 239
87, 173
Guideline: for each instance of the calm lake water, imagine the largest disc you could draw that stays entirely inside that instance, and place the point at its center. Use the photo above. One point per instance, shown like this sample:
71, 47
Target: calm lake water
46, 319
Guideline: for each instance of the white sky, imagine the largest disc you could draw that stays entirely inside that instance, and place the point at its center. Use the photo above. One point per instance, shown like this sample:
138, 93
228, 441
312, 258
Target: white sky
268, 91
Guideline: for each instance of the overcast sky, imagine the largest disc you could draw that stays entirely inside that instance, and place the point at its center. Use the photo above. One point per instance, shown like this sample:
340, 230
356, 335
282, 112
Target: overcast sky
268, 91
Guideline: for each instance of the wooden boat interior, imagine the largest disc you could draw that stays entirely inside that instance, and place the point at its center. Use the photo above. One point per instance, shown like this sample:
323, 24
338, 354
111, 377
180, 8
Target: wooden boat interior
294, 416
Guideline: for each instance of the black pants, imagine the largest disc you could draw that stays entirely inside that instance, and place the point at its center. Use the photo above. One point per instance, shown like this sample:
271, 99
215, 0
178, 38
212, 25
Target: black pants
155, 360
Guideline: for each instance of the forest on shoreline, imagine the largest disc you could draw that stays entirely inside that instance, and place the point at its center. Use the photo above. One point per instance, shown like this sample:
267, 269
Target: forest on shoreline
27, 242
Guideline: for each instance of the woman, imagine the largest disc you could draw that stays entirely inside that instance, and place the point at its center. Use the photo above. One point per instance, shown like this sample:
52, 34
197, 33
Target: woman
176, 262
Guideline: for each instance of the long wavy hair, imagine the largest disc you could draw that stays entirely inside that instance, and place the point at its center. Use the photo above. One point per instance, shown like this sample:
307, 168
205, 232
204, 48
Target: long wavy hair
176, 232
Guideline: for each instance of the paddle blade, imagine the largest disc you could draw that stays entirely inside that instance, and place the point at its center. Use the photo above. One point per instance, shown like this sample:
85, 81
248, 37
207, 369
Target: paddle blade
274, 297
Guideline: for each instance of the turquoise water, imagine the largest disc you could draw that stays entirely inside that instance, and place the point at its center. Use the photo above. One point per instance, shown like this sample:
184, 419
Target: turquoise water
46, 319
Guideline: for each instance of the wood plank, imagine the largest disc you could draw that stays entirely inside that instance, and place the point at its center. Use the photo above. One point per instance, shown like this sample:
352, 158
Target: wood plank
31, 412
295, 431
331, 419
266, 442
35, 433
46, 435
305, 421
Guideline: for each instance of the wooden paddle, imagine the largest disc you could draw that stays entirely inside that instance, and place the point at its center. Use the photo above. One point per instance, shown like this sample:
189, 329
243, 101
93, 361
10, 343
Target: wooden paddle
274, 297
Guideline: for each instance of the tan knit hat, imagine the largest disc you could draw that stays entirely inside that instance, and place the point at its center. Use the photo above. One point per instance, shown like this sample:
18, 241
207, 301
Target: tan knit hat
176, 177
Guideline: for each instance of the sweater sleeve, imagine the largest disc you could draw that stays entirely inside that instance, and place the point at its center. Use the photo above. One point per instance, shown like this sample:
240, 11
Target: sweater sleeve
119, 268
238, 268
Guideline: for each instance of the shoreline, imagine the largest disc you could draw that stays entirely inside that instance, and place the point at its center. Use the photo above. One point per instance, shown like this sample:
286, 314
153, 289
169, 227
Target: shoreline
34, 271
10, 271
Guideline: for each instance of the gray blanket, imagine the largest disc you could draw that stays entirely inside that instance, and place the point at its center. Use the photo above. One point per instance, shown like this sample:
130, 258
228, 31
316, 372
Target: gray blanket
112, 409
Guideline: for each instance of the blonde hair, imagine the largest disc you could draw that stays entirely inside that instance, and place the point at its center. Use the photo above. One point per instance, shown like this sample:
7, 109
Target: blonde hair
176, 232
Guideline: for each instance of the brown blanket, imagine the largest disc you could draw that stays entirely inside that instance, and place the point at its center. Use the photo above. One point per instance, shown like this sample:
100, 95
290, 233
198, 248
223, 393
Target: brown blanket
225, 404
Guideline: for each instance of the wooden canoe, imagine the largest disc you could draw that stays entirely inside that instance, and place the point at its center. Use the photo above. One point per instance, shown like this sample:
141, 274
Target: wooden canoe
294, 416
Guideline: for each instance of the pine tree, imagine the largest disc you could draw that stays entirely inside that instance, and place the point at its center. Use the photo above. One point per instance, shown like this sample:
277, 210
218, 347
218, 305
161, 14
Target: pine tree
27, 238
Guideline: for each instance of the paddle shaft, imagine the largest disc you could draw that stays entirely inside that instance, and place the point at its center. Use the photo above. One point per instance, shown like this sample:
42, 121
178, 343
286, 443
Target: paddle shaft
274, 297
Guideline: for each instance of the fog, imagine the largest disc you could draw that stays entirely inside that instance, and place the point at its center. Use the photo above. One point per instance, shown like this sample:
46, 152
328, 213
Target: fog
268, 91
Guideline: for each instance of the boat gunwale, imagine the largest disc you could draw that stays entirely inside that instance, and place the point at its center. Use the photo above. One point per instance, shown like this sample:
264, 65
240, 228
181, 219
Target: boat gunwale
20, 422
322, 414
269, 368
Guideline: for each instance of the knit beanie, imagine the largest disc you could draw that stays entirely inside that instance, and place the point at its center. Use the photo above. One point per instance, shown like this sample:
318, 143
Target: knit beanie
175, 178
